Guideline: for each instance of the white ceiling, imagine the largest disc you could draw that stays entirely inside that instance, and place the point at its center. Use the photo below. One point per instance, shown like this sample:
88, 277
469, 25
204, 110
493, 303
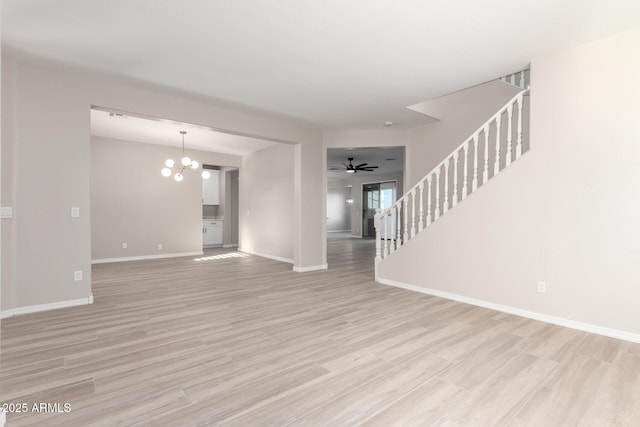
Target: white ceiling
164, 132
335, 63
372, 156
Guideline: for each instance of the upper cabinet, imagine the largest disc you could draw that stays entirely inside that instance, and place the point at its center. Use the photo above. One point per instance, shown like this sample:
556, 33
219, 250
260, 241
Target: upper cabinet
211, 188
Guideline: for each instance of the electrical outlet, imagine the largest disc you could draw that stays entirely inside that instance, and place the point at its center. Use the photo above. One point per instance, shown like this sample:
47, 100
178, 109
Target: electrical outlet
159, 246
542, 286
77, 275
124, 245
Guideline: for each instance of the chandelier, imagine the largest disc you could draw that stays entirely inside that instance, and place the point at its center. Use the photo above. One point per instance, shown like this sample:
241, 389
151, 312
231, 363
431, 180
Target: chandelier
186, 163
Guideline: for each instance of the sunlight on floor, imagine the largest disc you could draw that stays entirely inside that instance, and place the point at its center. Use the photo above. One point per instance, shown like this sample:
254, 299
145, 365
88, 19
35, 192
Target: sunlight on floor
223, 256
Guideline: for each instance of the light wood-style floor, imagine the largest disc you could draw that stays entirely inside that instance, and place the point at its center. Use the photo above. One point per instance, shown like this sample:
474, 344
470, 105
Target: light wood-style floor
244, 341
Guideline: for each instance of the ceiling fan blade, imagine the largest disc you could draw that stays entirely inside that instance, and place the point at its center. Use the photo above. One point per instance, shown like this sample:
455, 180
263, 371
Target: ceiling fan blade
347, 166
361, 165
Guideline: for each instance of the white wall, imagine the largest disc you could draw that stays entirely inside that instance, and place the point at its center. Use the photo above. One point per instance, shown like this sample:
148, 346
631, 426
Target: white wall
566, 213
46, 112
338, 210
267, 203
7, 226
132, 202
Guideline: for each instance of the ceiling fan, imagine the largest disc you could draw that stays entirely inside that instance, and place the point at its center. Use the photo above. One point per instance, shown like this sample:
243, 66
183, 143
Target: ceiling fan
350, 168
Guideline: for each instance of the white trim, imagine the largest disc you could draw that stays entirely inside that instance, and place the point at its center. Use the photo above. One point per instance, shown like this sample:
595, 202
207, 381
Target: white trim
46, 307
310, 268
230, 245
581, 326
338, 231
273, 257
144, 257
3, 418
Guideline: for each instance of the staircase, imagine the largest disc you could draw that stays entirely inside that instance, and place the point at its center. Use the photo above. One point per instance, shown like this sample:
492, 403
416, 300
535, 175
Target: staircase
519, 79
483, 155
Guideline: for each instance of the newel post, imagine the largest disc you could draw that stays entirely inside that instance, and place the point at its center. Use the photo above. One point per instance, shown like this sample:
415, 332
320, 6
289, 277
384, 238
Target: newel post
376, 224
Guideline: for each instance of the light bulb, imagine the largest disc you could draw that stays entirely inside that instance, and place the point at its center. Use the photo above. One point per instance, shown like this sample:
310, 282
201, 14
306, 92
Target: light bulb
170, 163
194, 164
178, 177
186, 161
166, 172
206, 174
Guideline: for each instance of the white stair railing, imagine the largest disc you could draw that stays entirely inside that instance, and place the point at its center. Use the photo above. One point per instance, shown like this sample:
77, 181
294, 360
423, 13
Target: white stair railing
448, 183
518, 79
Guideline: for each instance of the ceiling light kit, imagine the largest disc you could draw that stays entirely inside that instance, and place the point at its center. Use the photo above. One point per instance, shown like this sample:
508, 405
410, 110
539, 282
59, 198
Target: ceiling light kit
186, 163
361, 167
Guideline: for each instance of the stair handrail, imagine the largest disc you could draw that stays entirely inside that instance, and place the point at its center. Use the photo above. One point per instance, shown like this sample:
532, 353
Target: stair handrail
508, 106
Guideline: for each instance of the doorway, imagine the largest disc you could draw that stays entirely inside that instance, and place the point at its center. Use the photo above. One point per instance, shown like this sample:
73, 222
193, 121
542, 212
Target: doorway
375, 195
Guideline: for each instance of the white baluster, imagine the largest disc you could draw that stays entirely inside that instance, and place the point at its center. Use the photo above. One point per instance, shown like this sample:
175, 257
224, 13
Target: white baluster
512, 79
519, 143
474, 183
376, 223
399, 224
522, 79
392, 222
445, 205
485, 173
421, 211
385, 223
437, 210
413, 213
465, 173
455, 179
405, 237
509, 132
496, 164
429, 178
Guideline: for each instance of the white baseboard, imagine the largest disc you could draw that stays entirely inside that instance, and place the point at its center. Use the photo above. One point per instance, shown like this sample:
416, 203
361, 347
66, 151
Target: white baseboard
3, 418
273, 257
144, 257
46, 307
581, 326
230, 245
338, 231
310, 268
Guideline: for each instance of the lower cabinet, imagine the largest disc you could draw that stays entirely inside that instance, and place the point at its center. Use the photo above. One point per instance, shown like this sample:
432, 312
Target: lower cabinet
212, 232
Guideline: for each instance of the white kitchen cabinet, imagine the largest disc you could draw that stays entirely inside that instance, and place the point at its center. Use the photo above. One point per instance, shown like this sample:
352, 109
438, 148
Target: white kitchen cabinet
211, 188
212, 232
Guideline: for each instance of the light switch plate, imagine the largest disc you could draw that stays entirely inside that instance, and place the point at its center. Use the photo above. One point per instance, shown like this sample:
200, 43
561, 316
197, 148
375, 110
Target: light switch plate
6, 212
75, 212
77, 275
